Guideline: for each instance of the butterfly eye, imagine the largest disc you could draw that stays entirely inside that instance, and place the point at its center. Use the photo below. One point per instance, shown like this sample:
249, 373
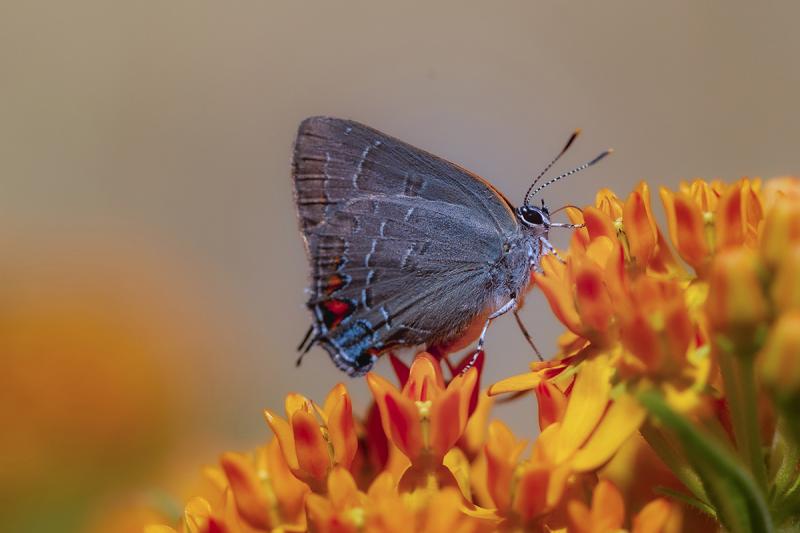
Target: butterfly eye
532, 216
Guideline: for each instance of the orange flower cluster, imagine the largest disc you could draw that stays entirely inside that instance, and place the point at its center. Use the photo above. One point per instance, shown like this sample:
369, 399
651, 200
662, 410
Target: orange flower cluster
670, 407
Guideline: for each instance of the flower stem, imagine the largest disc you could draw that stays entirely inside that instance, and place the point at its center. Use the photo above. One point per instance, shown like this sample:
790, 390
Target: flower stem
740, 390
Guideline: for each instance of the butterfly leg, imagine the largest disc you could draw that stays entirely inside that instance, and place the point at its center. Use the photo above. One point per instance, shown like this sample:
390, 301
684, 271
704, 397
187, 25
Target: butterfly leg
550, 249
511, 304
306, 344
527, 335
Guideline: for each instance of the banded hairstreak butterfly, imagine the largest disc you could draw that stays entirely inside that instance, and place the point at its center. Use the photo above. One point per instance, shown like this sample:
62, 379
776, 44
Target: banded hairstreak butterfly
406, 248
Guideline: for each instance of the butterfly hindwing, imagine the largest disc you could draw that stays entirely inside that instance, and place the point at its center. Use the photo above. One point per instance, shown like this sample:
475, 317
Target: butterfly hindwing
380, 218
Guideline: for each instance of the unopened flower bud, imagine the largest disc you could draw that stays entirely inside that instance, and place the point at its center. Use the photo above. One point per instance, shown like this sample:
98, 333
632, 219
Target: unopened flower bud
781, 230
736, 305
779, 361
786, 286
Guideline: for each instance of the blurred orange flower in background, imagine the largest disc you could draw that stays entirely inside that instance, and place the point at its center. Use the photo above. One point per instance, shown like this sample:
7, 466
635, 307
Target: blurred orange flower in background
88, 346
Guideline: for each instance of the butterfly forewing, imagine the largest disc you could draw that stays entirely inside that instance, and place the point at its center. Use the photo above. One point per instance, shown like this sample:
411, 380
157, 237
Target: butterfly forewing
385, 226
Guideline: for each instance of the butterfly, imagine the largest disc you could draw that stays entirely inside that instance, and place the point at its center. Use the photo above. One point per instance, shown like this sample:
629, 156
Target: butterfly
405, 248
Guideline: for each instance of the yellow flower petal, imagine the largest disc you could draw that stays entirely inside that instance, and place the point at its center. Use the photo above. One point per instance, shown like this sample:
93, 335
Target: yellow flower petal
622, 420
520, 382
654, 517
249, 496
608, 507
586, 405
342, 490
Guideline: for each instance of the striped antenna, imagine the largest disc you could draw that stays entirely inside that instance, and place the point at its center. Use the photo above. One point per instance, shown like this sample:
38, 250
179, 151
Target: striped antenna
572, 138
571, 172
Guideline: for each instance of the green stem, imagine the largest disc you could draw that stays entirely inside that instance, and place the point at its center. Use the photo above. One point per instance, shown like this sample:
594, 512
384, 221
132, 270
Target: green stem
737, 499
740, 390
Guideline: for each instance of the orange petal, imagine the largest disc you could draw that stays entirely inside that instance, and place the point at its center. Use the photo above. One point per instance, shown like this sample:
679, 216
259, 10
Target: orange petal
580, 237
689, 235
382, 487
312, 450
778, 362
552, 403
668, 200
706, 195
729, 218
653, 517
475, 433
640, 228
593, 302
736, 303
157, 528
196, 514
502, 451
580, 519
283, 432
641, 340
608, 507
320, 512
781, 230
251, 501
559, 294
295, 401
609, 203
447, 418
466, 385
290, 491
530, 496
557, 484
425, 380
333, 397
599, 224
457, 463
444, 512
342, 490
341, 427
380, 387
402, 417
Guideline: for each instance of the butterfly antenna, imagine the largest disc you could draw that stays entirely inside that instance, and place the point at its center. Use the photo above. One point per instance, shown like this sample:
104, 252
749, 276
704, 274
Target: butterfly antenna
573, 171
572, 138
567, 207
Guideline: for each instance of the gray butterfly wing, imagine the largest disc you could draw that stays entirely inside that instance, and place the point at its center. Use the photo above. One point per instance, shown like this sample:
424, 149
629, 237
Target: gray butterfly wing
405, 247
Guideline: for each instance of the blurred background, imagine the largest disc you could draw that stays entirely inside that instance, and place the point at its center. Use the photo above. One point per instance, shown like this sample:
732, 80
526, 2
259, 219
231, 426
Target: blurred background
152, 276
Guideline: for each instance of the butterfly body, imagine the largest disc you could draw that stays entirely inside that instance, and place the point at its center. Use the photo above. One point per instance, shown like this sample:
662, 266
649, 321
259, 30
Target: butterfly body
405, 248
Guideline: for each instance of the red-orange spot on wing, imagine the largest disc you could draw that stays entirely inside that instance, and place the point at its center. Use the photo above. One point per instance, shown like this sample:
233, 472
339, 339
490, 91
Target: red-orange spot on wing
334, 311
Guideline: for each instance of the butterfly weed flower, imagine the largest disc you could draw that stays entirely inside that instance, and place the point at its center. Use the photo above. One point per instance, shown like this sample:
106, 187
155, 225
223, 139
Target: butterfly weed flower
424, 419
313, 439
606, 513
670, 406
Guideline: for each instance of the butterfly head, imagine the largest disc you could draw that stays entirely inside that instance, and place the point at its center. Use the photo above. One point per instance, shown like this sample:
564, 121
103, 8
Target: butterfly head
534, 217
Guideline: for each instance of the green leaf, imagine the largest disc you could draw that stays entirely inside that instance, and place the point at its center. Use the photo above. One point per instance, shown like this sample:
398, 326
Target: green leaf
686, 499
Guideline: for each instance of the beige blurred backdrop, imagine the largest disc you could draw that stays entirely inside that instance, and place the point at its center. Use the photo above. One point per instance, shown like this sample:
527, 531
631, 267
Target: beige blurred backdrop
163, 130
